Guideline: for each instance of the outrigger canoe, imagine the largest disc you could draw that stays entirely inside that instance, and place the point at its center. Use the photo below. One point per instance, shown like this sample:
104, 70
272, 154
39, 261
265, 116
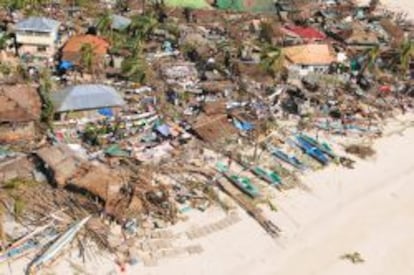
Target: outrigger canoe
324, 147
312, 150
61, 242
292, 160
269, 176
26, 247
243, 183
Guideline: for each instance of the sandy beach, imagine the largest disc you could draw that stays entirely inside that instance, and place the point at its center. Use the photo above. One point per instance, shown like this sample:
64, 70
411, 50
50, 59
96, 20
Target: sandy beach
405, 6
368, 209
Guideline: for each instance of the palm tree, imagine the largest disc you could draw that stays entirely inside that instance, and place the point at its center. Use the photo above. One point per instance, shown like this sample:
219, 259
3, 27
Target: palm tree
371, 56
3, 42
45, 89
87, 57
272, 59
135, 68
104, 24
406, 52
15, 4
142, 25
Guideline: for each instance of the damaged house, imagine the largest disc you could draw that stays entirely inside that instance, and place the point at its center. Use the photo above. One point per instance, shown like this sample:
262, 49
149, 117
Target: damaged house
72, 50
68, 170
310, 58
20, 109
213, 128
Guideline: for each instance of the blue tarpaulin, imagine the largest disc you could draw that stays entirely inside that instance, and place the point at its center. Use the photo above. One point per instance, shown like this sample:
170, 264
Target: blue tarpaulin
164, 130
243, 125
65, 65
106, 112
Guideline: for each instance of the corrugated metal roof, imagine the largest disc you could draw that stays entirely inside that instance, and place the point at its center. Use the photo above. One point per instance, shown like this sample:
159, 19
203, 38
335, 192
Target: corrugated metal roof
120, 22
247, 5
38, 24
84, 97
194, 4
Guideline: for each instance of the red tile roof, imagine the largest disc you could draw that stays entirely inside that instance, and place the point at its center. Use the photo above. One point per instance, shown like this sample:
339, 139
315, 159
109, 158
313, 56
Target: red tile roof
74, 44
304, 32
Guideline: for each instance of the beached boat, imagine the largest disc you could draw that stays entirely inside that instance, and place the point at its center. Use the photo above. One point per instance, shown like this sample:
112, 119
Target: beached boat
269, 176
292, 160
312, 150
61, 242
243, 183
323, 146
27, 247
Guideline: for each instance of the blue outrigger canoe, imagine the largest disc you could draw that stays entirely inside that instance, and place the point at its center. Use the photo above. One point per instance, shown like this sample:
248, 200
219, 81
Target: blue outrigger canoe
243, 183
324, 147
292, 160
312, 150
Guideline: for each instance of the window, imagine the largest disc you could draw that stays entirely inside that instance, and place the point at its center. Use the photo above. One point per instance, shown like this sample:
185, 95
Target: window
41, 49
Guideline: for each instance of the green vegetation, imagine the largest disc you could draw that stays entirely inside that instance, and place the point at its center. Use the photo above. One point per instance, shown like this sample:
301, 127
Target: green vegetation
87, 57
45, 89
272, 59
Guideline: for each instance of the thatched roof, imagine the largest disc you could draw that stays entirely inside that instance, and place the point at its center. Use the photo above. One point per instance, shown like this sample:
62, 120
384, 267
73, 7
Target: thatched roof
217, 86
69, 170
98, 180
62, 162
393, 30
215, 107
16, 168
19, 103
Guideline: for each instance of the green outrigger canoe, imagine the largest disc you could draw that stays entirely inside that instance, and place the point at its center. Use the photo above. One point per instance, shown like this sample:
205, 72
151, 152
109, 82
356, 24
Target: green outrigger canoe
243, 183
270, 177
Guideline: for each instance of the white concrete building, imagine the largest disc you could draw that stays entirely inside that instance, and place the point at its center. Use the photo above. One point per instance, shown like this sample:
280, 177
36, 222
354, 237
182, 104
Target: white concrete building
37, 36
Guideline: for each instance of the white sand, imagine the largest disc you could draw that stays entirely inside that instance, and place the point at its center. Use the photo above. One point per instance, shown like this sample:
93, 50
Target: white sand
369, 210
405, 6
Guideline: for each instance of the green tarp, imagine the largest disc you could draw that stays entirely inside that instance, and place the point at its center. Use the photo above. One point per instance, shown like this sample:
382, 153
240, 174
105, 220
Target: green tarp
247, 5
194, 4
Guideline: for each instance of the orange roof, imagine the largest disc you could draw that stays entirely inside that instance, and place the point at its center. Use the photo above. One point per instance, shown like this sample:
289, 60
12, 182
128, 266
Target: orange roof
74, 44
310, 54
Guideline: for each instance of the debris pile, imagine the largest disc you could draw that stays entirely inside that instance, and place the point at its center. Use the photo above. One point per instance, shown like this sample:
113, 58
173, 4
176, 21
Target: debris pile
129, 121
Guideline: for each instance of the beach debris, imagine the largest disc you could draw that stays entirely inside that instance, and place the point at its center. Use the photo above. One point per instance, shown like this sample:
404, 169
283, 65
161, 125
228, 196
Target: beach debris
57, 246
126, 124
360, 150
354, 257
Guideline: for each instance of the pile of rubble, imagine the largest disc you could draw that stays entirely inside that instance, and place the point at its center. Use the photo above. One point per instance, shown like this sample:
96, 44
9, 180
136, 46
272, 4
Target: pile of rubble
137, 124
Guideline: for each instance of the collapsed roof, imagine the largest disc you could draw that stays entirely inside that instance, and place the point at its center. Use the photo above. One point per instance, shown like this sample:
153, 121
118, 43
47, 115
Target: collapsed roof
19, 103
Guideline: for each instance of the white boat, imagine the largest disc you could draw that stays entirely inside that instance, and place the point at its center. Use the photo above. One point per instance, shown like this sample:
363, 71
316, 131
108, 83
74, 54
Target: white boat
61, 242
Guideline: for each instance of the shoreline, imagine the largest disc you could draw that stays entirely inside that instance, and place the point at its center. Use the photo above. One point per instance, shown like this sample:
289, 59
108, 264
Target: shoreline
344, 212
